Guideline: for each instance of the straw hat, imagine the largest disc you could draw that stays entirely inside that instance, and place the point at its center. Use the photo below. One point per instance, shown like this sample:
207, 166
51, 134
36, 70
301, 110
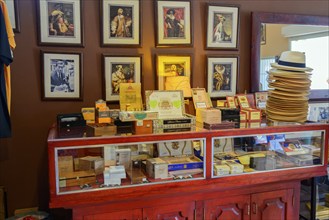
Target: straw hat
292, 60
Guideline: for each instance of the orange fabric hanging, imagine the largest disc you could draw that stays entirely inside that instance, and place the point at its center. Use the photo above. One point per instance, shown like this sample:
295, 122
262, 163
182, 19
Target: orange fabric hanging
12, 44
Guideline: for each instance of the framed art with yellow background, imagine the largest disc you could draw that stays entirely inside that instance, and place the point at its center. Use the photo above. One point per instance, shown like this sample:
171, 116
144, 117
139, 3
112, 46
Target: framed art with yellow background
174, 73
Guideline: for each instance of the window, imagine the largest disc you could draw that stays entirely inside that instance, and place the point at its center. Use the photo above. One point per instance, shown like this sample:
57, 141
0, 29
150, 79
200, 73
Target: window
316, 49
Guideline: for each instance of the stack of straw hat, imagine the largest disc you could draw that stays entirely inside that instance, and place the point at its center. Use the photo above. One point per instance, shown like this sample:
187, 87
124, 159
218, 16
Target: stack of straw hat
289, 83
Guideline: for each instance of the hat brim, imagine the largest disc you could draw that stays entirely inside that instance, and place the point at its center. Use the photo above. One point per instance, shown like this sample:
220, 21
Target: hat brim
276, 65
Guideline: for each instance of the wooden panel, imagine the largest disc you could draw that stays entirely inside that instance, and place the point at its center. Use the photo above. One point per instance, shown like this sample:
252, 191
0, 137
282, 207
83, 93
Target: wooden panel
119, 215
274, 205
182, 211
233, 208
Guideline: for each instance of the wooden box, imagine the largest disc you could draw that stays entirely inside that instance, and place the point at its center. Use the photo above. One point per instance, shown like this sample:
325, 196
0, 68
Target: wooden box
253, 114
208, 115
65, 164
93, 130
77, 178
143, 127
91, 163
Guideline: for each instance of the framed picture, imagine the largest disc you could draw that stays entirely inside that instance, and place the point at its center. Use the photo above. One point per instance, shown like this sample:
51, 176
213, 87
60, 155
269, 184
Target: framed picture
12, 6
120, 23
222, 76
173, 23
61, 74
318, 112
263, 33
222, 27
120, 69
60, 23
174, 73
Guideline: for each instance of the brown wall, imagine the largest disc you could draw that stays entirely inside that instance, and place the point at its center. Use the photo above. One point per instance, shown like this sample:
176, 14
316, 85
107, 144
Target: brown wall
23, 158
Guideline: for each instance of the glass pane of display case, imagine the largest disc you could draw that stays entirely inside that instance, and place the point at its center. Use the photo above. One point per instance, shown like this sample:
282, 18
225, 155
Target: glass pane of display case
108, 166
264, 152
314, 198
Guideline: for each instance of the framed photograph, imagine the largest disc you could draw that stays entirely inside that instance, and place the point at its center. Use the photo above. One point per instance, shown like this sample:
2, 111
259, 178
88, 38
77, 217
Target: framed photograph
61, 74
174, 73
60, 23
120, 69
318, 112
263, 33
12, 6
222, 27
222, 76
173, 23
120, 23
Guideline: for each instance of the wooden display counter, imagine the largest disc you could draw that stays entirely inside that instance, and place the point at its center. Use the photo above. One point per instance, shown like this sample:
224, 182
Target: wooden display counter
272, 193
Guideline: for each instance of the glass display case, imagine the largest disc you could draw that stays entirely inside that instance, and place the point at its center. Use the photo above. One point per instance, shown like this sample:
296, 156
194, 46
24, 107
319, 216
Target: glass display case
205, 169
261, 152
109, 166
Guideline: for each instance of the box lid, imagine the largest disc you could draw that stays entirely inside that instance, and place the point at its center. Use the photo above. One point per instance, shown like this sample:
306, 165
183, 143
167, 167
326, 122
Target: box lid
175, 148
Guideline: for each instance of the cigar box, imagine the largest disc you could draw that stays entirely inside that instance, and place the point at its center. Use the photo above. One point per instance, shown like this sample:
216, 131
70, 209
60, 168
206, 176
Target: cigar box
175, 148
231, 102
231, 115
109, 155
88, 115
103, 115
143, 127
252, 114
235, 167
104, 129
179, 155
136, 176
183, 163
77, 178
182, 122
243, 101
170, 130
137, 115
65, 164
221, 169
123, 157
243, 116
124, 127
221, 103
222, 125
157, 168
91, 163
208, 115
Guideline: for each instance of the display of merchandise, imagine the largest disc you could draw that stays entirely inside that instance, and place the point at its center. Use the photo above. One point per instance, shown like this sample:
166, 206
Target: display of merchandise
289, 83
